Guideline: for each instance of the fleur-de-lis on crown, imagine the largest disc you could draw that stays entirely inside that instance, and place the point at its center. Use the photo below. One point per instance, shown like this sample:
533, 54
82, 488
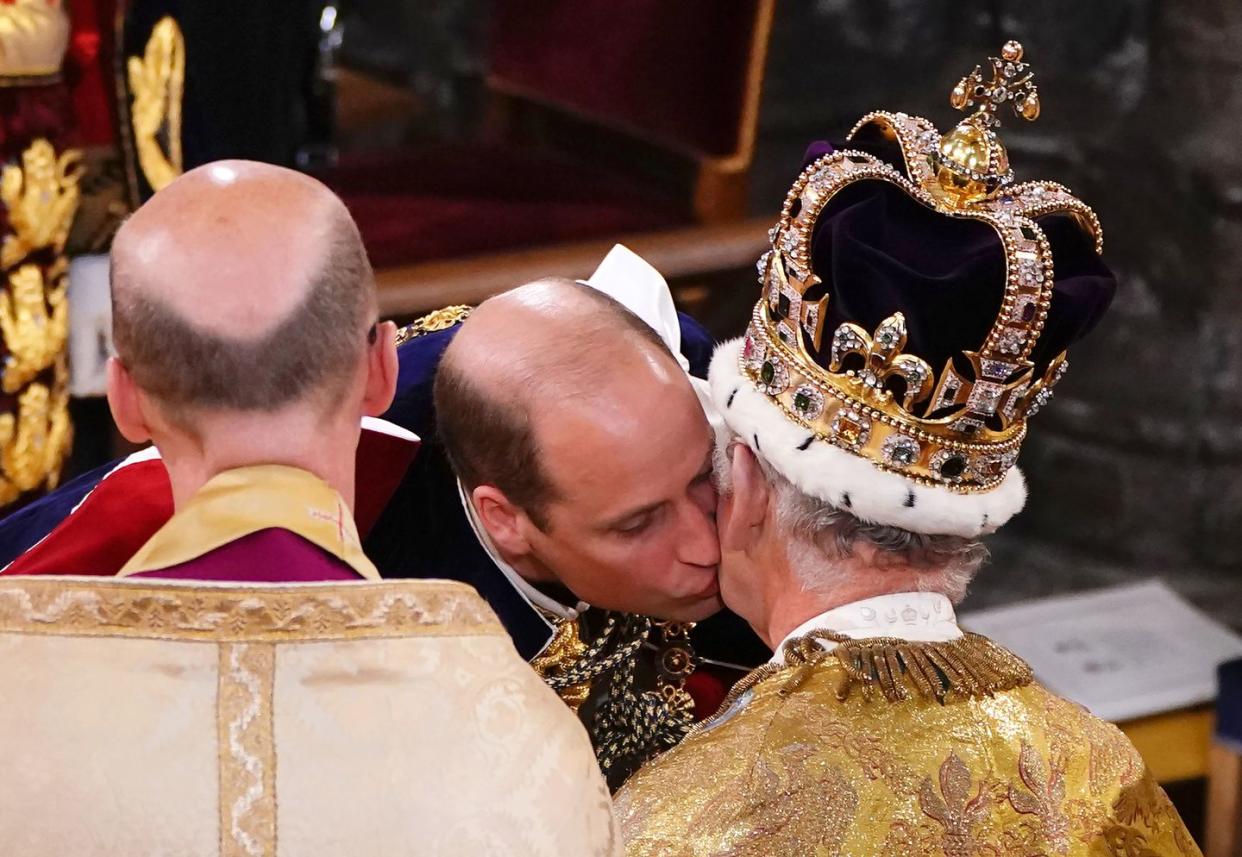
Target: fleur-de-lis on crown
1012, 82
882, 360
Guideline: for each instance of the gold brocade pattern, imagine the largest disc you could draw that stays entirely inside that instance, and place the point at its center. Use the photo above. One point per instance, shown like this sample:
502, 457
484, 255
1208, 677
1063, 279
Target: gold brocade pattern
40, 196
247, 750
795, 768
154, 610
441, 319
157, 81
35, 441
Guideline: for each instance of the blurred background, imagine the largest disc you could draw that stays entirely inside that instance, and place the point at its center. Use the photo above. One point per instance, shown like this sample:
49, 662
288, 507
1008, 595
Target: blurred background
481, 143
484, 143
1137, 468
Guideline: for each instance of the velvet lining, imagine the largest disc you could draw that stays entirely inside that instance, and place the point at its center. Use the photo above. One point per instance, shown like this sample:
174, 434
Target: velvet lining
878, 251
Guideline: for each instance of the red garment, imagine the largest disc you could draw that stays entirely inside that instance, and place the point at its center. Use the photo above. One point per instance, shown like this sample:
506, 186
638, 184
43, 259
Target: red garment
133, 501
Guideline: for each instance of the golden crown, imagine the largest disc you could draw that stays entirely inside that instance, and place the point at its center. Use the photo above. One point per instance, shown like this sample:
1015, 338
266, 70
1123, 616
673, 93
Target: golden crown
958, 431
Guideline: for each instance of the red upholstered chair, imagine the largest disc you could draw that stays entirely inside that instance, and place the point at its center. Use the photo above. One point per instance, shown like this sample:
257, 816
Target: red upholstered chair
606, 120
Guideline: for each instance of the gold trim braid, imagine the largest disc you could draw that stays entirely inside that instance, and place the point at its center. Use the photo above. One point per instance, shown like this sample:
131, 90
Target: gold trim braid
970, 667
247, 754
563, 653
149, 609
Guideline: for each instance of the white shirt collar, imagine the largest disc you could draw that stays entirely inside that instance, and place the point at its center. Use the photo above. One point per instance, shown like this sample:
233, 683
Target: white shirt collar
925, 617
544, 604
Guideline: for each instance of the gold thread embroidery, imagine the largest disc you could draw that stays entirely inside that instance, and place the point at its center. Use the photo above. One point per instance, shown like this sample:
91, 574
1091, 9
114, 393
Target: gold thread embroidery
152, 610
247, 750
970, 666
953, 807
35, 336
157, 80
441, 319
41, 197
34, 441
1043, 795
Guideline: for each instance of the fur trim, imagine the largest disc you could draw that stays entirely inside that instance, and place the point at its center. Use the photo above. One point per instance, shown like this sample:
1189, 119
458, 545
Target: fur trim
846, 480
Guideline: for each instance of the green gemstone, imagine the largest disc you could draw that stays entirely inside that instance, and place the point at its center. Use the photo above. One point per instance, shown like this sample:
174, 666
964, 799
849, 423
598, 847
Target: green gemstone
767, 372
802, 402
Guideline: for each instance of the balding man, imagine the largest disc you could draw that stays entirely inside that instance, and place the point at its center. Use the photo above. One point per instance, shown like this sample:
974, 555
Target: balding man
248, 350
586, 451
348, 716
584, 460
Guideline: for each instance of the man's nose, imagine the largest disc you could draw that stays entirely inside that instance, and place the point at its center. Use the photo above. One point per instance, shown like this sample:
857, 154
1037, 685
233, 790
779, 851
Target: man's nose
699, 543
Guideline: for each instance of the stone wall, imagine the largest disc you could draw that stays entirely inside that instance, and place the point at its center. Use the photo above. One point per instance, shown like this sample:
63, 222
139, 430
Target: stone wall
1136, 468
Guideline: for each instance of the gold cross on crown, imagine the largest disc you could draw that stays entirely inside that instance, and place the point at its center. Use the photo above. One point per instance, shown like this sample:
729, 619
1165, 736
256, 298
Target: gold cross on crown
1012, 83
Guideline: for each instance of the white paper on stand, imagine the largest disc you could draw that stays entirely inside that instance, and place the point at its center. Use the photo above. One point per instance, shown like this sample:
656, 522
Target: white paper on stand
1123, 652
90, 325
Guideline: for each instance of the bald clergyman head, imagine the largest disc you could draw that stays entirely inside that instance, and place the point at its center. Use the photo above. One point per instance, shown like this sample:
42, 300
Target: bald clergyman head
245, 320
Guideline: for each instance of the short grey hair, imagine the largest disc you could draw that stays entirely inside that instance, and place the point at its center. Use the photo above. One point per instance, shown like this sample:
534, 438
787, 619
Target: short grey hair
820, 535
311, 353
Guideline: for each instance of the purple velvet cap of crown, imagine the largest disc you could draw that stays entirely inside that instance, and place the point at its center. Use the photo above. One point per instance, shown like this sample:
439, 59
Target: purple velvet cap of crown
878, 251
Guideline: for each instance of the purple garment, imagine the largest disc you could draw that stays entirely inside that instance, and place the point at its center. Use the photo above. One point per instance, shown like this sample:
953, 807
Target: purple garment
267, 556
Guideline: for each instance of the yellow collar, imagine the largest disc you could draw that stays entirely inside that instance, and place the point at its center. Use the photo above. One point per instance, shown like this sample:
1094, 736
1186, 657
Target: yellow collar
238, 502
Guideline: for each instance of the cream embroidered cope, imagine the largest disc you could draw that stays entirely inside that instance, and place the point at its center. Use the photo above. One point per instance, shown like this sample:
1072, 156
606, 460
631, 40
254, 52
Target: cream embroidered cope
266, 720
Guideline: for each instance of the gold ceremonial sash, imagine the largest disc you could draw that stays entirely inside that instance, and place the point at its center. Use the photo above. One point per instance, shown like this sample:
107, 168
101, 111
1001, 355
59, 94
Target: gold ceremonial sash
238, 502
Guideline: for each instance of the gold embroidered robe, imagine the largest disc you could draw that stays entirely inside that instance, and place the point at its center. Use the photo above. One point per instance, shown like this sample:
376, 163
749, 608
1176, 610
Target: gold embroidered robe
797, 771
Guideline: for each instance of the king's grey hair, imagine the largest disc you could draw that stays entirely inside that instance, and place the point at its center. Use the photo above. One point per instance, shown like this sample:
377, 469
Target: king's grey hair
819, 537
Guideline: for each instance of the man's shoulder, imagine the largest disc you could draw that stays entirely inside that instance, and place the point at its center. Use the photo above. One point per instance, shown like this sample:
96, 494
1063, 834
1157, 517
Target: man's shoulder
801, 765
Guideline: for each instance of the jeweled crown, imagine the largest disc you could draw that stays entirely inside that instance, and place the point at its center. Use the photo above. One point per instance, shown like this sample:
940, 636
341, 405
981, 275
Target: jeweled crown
961, 428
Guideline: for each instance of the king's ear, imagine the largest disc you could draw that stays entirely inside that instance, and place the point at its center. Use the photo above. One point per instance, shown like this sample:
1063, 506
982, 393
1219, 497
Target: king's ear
126, 402
745, 509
